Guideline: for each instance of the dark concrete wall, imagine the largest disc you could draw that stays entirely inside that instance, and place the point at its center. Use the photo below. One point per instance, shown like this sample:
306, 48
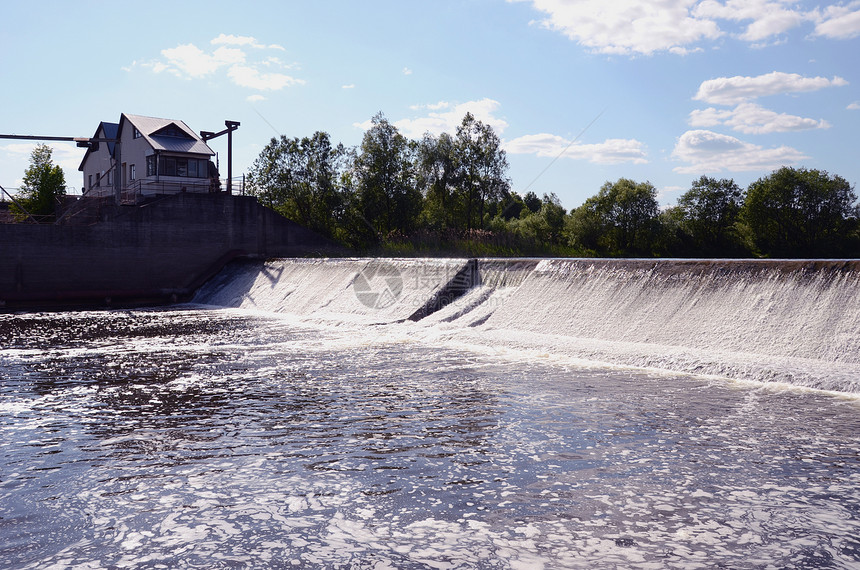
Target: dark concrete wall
154, 253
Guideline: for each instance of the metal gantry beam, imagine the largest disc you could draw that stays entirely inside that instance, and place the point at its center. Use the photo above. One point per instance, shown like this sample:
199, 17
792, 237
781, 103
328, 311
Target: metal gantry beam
38, 138
83, 142
208, 135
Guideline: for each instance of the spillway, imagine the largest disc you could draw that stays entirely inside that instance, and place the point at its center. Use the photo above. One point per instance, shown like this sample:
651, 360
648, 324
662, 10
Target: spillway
789, 321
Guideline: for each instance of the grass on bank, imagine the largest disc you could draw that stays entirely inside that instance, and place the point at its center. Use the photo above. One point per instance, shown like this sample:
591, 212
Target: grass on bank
474, 243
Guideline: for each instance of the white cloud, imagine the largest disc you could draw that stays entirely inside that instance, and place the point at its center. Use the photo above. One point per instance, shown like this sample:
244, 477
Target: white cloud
446, 118
18, 149
708, 152
190, 62
610, 151
855, 106
768, 17
245, 76
734, 90
628, 26
839, 21
632, 27
254, 98
156, 66
431, 106
277, 62
232, 40
750, 118
667, 192
407, 71
348, 86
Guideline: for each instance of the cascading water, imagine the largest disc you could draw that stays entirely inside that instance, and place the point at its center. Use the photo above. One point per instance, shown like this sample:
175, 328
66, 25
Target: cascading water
796, 322
780, 308
359, 290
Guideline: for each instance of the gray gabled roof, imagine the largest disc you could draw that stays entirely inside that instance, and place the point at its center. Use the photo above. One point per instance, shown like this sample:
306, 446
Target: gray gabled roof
110, 130
149, 127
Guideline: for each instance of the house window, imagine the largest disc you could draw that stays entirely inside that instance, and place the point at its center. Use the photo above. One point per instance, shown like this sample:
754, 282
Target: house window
108, 177
168, 167
172, 131
183, 167
150, 165
90, 183
131, 172
98, 179
136, 133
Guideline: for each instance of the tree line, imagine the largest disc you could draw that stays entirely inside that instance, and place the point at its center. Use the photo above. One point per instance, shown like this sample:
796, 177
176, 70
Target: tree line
387, 188
451, 194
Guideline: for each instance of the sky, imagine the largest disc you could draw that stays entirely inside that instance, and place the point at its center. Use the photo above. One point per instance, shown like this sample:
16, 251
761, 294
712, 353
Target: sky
581, 92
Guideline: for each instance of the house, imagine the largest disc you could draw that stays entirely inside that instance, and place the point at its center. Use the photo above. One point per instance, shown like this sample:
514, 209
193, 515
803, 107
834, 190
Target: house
155, 157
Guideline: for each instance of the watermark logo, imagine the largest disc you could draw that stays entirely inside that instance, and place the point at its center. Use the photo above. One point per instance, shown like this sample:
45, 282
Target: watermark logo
378, 286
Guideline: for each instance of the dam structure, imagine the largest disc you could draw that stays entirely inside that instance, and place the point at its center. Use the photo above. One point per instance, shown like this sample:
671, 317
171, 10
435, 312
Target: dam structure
158, 252
790, 321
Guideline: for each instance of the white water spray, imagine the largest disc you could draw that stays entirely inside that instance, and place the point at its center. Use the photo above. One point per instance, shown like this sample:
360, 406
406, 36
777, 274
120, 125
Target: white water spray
796, 322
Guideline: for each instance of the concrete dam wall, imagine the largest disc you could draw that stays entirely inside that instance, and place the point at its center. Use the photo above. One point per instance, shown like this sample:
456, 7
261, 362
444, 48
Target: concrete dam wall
795, 322
158, 252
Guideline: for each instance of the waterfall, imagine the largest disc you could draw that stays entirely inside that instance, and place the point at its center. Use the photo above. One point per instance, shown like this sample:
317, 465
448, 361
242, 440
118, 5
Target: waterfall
796, 322
360, 290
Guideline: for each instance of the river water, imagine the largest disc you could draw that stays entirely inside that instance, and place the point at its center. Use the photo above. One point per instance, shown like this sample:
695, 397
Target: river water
203, 438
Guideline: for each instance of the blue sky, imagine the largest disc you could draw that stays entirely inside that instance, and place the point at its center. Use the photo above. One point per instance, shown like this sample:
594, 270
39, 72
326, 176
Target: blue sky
581, 92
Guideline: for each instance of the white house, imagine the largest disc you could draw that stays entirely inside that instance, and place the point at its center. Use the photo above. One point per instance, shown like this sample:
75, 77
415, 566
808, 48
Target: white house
156, 156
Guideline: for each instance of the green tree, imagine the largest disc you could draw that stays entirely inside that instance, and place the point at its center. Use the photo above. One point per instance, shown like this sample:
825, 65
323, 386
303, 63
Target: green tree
386, 191
482, 168
511, 206
708, 213
298, 178
353, 229
621, 219
532, 202
544, 227
801, 213
671, 240
43, 186
553, 214
436, 178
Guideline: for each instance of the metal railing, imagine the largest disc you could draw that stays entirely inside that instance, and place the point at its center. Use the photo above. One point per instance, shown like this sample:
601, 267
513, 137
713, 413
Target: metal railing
140, 190
91, 203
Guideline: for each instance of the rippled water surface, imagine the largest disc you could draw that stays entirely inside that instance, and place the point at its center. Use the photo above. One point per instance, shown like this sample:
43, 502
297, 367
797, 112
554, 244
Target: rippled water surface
213, 438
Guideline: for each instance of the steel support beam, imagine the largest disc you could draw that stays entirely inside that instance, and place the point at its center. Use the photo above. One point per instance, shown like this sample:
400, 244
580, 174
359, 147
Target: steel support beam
209, 135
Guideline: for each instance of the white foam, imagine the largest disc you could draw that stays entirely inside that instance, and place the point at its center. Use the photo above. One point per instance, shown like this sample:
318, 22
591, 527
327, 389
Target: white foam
784, 322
